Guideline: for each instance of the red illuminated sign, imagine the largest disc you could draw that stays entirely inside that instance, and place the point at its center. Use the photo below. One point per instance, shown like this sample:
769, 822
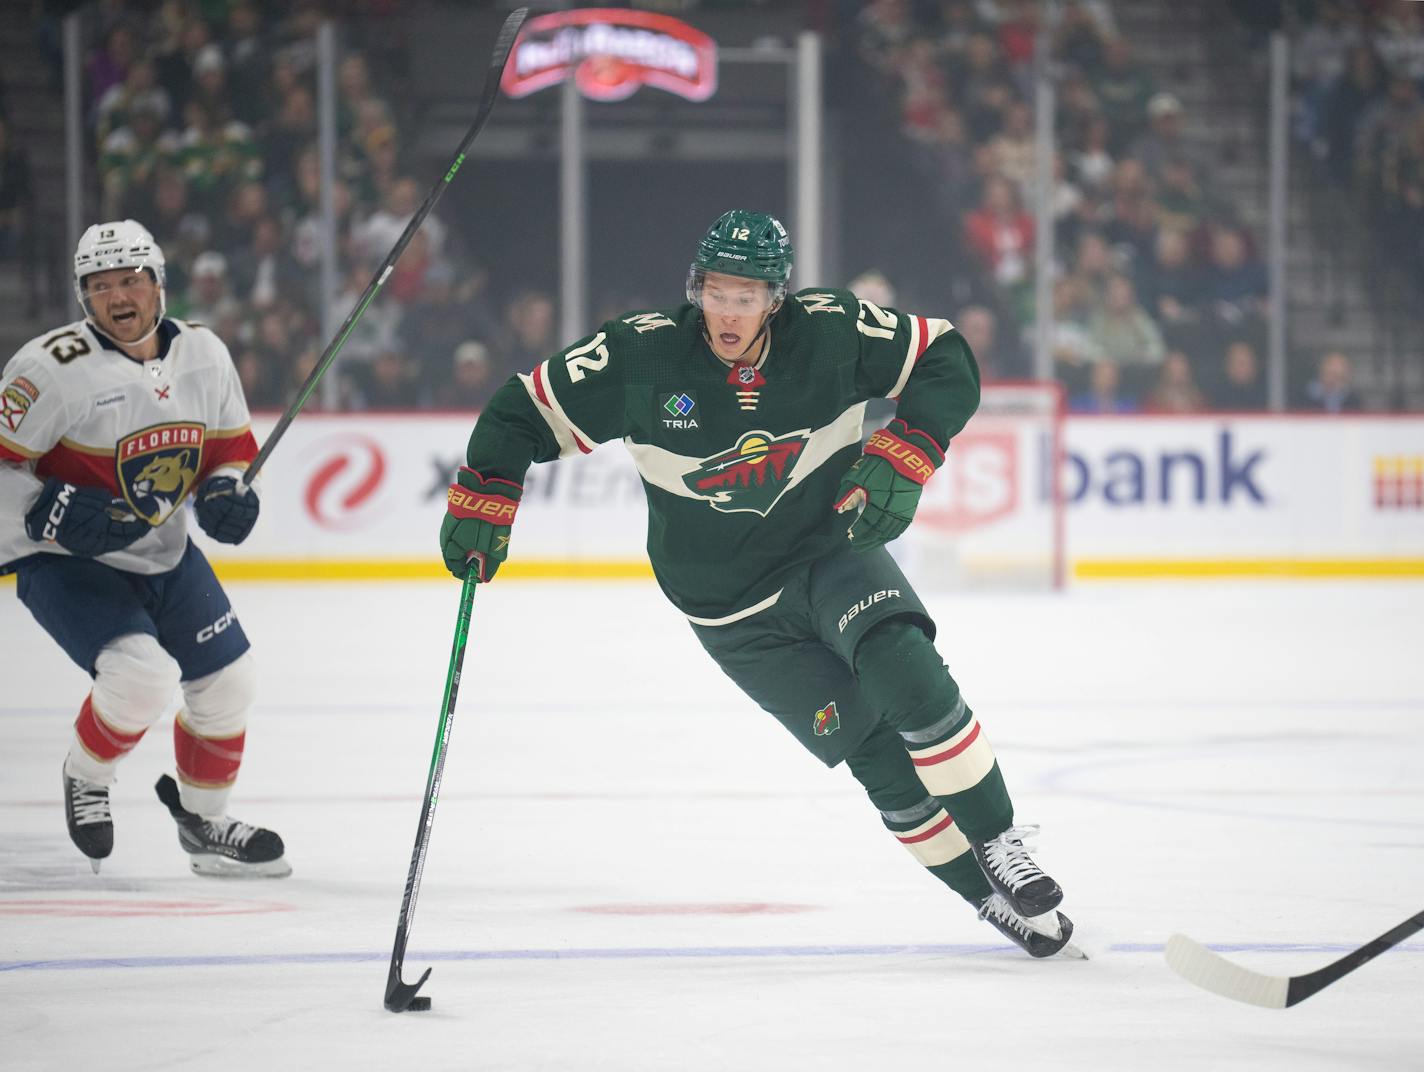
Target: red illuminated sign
611, 52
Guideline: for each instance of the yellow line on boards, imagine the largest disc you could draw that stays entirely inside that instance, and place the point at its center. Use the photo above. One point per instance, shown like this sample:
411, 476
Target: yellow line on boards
1093, 569
1082, 569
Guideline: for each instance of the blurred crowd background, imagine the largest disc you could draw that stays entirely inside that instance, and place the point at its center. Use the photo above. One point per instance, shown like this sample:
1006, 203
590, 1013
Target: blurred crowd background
201, 123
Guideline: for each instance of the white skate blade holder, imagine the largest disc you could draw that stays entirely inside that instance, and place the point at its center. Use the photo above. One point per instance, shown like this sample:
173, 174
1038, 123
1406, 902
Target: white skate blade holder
212, 865
1048, 926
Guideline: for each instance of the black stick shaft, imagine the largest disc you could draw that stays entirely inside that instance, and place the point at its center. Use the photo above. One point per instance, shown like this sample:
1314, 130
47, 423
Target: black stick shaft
498, 58
399, 993
1302, 986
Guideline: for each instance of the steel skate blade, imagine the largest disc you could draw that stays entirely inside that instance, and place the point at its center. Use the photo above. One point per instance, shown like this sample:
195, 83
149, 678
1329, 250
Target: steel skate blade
1072, 952
94, 862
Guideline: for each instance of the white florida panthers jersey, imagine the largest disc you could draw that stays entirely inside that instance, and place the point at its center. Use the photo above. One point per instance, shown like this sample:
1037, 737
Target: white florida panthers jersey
75, 406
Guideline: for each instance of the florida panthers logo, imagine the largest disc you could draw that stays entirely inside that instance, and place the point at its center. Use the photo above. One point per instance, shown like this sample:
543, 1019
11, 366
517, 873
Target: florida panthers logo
752, 475
157, 466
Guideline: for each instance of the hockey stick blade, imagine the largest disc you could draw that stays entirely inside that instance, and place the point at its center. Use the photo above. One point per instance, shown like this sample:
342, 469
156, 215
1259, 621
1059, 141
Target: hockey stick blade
400, 997
499, 57
1209, 970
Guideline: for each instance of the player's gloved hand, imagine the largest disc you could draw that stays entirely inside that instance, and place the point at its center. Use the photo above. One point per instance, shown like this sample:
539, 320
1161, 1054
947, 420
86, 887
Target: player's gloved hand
84, 521
226, 511
478, 515
886, 482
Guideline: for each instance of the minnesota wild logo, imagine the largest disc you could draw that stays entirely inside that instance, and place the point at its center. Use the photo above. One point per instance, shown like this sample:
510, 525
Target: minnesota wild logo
827, 720
157, 466
752, 475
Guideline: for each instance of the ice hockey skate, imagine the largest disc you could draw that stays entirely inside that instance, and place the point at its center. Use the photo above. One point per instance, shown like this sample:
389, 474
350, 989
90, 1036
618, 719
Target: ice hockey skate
224, 847
91, 825
1013, 874
1032, 936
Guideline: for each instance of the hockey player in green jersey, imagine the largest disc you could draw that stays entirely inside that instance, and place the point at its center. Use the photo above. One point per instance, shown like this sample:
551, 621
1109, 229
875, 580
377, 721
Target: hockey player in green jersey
766, 527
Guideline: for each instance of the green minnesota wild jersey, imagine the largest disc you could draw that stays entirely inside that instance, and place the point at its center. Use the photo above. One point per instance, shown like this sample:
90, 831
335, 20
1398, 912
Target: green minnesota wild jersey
740, 463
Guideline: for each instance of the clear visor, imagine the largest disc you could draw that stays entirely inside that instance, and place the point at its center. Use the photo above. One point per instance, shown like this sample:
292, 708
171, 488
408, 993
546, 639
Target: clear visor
137, 280
729, 295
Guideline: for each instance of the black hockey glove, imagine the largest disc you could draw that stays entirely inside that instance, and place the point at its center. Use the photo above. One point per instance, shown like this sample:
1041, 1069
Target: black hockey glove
478, 515
887, 479
84, 521
223, 513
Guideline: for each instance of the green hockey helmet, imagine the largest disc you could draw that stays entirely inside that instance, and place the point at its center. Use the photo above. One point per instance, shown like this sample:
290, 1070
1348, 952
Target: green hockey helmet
748, 244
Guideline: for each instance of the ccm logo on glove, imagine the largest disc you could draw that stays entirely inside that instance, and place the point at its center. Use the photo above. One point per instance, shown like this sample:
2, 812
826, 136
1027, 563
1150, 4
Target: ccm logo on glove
56, 512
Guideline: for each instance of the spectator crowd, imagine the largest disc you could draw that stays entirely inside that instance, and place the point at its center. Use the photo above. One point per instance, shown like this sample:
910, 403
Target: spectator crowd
204, 127
1158, 287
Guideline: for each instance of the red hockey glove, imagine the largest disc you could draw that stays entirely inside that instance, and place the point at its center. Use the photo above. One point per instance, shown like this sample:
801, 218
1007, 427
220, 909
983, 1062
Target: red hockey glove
478, 515
886, 482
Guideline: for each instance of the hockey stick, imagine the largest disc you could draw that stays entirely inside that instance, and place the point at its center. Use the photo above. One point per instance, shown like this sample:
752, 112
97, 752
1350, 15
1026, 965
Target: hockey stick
498, 58
1197, 964
400, 995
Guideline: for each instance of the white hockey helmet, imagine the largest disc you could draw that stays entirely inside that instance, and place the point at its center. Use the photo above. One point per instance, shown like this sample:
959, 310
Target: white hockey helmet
117, 244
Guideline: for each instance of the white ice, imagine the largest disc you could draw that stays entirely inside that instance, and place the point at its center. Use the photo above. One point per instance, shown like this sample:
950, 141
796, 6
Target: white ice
632, 868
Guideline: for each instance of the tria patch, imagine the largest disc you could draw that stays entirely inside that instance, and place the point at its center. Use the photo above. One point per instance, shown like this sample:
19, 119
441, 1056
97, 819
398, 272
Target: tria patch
752, 475
157, 466
678, 408
826, 721
14, 404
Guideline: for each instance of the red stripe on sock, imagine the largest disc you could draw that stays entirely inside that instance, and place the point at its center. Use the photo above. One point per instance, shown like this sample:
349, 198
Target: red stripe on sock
931, 832
210, 762
930, 761
99, 738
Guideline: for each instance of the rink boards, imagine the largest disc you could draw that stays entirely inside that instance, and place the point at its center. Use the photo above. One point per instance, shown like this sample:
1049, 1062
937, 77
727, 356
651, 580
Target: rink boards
1210, 496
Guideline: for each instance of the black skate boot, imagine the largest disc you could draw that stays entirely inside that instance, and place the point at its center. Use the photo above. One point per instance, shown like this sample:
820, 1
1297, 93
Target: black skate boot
1029, 937
1006, 864
91, 826
224, 847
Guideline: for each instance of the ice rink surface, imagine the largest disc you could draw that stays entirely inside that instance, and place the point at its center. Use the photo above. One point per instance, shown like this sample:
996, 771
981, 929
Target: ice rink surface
632, 868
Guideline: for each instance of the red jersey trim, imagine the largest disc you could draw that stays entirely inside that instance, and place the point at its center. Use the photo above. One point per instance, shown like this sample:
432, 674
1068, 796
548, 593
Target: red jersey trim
79, 468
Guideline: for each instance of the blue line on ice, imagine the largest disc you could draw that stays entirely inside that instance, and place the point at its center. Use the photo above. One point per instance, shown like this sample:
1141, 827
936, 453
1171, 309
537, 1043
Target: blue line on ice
258, 959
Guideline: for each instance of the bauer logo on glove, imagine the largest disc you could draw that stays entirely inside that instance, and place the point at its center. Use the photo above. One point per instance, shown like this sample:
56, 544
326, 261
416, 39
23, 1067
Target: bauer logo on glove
478, 513
885, 484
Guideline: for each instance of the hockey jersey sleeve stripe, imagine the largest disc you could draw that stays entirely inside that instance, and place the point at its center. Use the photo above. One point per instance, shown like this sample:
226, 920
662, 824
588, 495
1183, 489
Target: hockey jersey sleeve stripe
228, 433
571, 439
923, 331
80, 467
238, 449
13, 452
84, 448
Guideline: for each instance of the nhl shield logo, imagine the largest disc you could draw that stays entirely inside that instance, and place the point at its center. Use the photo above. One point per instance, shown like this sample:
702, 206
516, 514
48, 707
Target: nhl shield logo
827, 720
752, 475
157, 466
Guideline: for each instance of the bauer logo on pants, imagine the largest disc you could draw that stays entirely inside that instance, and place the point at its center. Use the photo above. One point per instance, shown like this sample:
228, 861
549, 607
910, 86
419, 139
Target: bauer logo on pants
827, 720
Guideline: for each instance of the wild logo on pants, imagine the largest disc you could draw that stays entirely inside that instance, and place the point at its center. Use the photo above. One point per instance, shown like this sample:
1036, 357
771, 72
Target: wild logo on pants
827, 720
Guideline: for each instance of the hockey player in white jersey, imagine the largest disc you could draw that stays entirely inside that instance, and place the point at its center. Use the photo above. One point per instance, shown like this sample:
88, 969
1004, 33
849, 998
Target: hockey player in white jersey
108, 426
